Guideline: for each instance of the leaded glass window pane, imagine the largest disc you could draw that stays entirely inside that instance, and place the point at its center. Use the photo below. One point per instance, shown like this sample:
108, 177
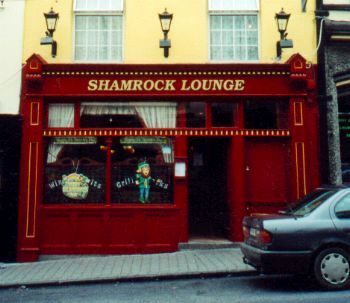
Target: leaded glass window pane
100, 36
233, 37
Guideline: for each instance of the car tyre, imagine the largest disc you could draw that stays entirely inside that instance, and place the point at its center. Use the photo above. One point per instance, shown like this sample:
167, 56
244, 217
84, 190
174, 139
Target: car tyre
332, 268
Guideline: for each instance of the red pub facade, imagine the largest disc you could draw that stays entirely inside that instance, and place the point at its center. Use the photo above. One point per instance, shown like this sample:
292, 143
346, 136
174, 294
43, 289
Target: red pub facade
139, 158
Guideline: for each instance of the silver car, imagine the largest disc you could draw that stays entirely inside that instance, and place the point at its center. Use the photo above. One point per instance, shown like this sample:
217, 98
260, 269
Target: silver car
311, 238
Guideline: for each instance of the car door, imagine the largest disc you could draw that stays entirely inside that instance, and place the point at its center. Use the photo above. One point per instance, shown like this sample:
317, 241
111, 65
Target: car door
341, 215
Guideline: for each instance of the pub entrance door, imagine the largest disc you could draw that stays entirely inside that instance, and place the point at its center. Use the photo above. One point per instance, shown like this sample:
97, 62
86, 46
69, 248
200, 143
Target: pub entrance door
208, 207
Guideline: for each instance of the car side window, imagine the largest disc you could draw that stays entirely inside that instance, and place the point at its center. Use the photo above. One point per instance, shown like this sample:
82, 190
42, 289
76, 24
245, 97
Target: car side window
342, 209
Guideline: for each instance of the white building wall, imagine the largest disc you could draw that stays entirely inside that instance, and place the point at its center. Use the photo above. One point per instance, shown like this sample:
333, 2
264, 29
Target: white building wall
11, 37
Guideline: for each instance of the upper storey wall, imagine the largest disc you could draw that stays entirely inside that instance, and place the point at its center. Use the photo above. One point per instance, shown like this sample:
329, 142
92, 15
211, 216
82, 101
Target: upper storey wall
189, 33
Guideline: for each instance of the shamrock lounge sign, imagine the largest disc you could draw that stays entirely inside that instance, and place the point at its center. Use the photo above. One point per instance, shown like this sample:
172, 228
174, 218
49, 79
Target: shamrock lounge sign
166, 85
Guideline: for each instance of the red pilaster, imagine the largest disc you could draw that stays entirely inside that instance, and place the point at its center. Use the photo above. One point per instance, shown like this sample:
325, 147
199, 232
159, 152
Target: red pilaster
299, 148
31, 166
181, 183
30, 180
304, 129
108, 170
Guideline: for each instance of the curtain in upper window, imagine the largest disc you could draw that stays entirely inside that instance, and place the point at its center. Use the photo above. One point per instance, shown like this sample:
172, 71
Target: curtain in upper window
234, 30
98, 30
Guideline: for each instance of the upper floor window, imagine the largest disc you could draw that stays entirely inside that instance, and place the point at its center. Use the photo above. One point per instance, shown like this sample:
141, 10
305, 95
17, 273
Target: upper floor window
98, 30
336, 2
233, 30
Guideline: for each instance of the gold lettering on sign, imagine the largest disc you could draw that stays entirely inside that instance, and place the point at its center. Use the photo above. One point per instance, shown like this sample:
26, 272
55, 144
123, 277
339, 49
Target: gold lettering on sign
193, 85
92, 85
212, 85
169, 85
125, 85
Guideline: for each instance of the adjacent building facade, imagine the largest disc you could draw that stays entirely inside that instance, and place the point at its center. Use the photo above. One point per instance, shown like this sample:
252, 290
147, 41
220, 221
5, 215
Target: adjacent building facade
333, 52
11, 18
128, 151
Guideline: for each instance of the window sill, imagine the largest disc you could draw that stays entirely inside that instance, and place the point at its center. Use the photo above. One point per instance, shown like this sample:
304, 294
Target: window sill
338, 7
102, 207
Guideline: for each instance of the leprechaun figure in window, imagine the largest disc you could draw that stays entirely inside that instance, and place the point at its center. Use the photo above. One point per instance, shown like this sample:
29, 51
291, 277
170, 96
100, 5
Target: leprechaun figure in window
143, 180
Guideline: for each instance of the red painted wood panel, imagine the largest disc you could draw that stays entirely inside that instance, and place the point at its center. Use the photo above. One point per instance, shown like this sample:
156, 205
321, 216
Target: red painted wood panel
104, 230
267, 174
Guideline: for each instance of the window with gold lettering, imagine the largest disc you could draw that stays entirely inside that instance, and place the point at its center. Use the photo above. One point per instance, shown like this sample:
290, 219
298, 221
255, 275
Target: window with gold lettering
74, 171
138, 170
142, 170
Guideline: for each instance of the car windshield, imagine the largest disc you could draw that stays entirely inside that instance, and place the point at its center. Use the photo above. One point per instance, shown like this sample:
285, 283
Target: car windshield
310, 202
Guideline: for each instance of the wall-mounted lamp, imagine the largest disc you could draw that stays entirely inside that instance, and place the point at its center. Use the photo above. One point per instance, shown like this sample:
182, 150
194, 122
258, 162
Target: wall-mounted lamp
282, 22
165, 22
51, 20
2, 5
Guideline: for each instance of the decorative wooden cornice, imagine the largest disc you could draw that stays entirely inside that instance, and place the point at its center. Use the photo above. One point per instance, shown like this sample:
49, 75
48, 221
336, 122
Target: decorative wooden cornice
170, 73
190, 132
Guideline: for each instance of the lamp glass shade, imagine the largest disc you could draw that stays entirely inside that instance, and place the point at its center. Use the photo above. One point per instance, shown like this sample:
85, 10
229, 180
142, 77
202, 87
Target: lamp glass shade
51, 20
282, 20
165, 20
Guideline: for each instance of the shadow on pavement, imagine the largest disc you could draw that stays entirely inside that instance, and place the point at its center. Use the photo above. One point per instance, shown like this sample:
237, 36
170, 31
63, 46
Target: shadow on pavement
284, 283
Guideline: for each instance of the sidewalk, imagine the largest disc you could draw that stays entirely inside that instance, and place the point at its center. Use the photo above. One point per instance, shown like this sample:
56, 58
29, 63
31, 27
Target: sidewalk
183, 263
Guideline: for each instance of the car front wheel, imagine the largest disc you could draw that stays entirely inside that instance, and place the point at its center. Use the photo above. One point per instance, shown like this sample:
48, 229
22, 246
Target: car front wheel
332, 268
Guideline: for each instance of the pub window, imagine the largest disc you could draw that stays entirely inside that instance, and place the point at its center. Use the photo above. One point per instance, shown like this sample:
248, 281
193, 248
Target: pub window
223, 114
75, 171
196, 114
336, 2
128, 115
142, 170
233, 30
61, 115
344, 129
98, 30
266, 114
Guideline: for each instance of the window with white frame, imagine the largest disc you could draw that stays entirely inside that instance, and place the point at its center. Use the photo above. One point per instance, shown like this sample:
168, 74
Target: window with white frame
98, 30
336, 2
234, 30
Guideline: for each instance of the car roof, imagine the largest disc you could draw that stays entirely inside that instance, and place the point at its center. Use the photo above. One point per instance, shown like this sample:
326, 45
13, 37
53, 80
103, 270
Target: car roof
333, 187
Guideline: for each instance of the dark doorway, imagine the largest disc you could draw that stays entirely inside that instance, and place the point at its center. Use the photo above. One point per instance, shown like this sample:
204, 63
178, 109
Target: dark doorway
10, 141
208, 209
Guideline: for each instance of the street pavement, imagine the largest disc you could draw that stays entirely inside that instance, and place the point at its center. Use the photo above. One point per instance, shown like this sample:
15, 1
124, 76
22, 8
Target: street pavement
83, 269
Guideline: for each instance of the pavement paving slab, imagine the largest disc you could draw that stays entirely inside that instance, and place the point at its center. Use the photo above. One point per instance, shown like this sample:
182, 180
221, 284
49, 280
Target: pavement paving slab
80, 269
